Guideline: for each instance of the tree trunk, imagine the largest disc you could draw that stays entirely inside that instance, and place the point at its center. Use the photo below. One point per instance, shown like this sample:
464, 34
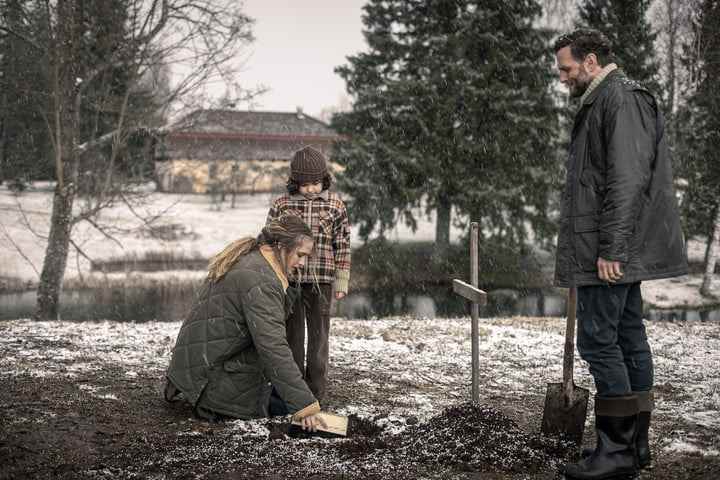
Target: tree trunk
3, 133
670, 6
48, 294
442, 224
64, 124
711, 255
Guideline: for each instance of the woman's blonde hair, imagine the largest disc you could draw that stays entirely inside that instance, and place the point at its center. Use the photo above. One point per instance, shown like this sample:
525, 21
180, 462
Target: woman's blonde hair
288, 231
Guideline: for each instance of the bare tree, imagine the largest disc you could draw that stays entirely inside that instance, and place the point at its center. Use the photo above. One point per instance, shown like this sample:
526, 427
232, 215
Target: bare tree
711, 256
673, 22
198, 41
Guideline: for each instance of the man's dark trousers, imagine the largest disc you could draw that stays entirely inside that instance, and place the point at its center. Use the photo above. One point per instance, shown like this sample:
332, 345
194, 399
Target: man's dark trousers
611, 338
313, 306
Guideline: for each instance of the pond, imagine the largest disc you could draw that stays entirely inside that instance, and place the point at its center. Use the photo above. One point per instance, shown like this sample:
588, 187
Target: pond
169, 302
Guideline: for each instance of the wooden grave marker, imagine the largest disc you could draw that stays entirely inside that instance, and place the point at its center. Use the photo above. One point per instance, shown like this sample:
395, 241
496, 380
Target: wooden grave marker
476, 297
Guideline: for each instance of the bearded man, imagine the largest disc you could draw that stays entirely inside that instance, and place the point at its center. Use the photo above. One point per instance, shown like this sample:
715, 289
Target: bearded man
619, 226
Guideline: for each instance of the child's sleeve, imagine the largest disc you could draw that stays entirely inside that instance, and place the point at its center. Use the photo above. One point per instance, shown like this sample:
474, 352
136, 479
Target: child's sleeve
274, 212
341, 248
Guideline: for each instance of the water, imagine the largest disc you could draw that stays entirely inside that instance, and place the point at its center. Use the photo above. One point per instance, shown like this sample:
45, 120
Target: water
170, 302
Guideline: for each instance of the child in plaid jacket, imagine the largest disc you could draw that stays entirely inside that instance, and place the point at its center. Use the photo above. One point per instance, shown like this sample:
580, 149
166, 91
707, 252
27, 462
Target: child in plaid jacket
327, 270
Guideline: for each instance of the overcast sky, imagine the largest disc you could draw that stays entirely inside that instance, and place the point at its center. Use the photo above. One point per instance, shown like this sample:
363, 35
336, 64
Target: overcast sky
298, 44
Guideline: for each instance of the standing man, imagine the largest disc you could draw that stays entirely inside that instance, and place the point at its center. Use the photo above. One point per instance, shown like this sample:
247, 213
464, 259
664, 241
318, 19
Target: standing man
619, 225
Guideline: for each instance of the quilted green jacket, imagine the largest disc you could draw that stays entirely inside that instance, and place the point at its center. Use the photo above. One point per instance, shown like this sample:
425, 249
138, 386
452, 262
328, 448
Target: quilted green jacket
232, 347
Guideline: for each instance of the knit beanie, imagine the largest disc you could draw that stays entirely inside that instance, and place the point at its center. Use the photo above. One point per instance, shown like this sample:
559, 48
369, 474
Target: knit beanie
308, 166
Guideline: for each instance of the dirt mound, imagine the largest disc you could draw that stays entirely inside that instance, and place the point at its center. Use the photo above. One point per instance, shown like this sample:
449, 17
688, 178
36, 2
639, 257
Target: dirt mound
475, 436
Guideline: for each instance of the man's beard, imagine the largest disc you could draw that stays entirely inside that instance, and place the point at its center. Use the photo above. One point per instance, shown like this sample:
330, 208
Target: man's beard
582, 82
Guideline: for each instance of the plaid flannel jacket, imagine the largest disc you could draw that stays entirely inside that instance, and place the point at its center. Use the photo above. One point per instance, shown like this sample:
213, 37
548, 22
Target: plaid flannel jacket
327, 217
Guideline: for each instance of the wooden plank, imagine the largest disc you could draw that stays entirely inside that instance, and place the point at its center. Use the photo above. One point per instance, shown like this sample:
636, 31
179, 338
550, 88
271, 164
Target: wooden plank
475, 312
469, 292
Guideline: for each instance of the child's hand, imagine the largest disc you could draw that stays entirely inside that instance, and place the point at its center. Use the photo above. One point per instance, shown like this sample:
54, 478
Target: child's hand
339, 295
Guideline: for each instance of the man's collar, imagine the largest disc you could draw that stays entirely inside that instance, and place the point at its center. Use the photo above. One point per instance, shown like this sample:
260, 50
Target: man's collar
596, 82
325, 195
269, 254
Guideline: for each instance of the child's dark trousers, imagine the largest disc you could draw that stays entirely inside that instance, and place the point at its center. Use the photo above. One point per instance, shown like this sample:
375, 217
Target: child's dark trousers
311, 307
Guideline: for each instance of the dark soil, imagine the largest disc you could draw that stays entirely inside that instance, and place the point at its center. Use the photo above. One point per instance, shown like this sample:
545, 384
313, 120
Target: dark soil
55, 427
74, 435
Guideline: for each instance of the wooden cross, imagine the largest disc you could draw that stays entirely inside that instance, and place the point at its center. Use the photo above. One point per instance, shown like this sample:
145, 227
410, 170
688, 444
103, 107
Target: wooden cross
477, 297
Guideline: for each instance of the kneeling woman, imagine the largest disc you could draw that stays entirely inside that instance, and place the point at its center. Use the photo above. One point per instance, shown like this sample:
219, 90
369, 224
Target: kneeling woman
231, 357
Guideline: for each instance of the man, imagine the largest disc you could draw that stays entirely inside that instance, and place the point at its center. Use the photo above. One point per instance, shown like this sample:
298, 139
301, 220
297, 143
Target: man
619, 226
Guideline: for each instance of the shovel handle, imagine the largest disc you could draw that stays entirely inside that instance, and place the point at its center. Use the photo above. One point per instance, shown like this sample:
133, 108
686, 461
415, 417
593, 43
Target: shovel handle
569, 354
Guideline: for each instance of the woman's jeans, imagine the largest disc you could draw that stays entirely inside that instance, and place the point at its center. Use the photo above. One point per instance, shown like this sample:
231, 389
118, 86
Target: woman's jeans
277, 407
611, 338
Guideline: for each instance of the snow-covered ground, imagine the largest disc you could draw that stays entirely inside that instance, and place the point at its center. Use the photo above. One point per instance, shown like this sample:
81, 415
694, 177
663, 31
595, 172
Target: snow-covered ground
207, 230
24, 222
400, 371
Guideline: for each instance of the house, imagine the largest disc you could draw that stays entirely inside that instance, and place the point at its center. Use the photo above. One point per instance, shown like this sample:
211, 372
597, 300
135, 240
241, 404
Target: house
236, 151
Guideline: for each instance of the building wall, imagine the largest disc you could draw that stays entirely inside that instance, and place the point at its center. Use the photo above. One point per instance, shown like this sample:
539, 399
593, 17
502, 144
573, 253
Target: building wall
191, 165
200, 176
238, 149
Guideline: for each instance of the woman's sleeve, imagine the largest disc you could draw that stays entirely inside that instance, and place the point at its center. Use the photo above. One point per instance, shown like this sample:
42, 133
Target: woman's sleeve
263, 306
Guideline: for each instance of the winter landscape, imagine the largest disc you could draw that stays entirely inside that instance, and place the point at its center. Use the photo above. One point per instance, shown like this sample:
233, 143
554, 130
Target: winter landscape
140, 138
84, 400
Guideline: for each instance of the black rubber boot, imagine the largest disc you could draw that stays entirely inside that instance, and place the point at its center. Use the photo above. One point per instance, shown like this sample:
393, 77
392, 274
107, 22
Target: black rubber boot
646, 404
614, 457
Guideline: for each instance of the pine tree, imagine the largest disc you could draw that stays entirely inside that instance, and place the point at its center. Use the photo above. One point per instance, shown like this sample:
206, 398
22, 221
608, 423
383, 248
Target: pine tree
625, 24
24, 140
701, 129
452, 110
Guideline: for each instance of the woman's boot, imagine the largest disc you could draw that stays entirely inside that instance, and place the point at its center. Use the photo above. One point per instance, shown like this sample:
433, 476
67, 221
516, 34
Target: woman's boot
616, 423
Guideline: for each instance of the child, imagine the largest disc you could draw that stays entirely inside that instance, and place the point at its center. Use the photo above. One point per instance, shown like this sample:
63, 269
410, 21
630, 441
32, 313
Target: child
308, 197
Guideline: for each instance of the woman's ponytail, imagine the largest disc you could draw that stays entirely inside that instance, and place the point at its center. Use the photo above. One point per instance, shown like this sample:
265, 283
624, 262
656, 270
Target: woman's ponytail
221, 263
287, 231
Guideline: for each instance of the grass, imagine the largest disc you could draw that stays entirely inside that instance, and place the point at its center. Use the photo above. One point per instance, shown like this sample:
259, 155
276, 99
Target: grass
152, 261
381, 265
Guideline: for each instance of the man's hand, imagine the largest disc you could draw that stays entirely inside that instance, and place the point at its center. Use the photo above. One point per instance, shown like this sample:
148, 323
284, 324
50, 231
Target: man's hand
339, 295
609, 271
312, 422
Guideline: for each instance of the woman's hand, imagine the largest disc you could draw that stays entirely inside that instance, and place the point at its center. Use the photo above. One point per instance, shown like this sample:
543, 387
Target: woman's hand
339, 295
312, 422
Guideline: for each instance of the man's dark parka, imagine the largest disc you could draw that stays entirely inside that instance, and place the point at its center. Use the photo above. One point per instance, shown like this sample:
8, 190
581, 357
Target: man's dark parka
232, 345
619, 201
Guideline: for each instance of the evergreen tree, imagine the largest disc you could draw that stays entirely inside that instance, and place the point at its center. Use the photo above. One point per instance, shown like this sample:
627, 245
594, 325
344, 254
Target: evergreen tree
453, 109
625, 24
25, 145
100, 60
24, 140
701, 126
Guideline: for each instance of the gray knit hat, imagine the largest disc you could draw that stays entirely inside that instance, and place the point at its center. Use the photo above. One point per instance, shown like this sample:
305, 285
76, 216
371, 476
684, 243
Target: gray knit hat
308, 165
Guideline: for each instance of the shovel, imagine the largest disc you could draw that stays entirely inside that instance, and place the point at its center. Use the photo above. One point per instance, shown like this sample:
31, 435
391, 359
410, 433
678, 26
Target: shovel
566, 404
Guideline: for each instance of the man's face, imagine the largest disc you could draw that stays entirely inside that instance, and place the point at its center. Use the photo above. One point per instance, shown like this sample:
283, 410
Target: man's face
298, 256
573, 74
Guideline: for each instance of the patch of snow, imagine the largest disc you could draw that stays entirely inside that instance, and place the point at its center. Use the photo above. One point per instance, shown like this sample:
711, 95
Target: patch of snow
393, 369
210, 230
706, 419
679, 292
679, 445
250, 428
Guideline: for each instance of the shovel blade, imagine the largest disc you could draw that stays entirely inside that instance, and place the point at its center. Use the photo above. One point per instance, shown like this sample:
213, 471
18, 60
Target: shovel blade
561, 418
